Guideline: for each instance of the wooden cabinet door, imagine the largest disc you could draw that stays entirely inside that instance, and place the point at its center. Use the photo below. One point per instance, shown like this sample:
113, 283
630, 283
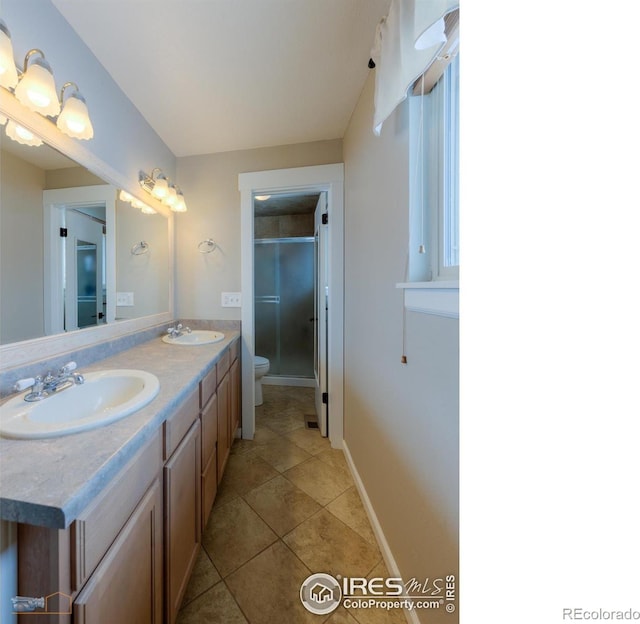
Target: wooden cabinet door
182, 475
127, 585
223, 425
235, 397
209, 418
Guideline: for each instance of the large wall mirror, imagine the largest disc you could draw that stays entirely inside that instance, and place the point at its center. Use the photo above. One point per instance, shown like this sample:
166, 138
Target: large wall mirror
74, 259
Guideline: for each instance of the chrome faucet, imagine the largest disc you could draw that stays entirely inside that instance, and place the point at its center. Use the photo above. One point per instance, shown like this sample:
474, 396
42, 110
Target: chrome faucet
177, 330
42, 387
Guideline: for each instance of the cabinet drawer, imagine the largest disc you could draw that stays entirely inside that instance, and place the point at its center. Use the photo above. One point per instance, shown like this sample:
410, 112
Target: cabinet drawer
95, 528
177, 425
223, 365
234, 349
208, 386
209, 428
209, 488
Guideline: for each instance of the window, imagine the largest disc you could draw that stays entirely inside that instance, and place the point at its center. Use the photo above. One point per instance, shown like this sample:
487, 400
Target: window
434, 253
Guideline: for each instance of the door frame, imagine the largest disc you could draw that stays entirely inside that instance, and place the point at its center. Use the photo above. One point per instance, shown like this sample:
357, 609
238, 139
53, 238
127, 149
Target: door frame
328, 178
55, 202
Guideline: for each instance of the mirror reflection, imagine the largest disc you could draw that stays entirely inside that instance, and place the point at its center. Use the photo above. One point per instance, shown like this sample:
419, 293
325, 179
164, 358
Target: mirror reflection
65, 248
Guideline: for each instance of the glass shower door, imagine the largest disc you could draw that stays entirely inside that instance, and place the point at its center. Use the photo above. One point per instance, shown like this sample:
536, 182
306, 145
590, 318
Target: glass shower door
284, 304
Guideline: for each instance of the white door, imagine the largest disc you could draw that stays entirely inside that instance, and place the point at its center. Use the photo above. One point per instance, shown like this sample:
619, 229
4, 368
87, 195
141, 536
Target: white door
321, 292
84, 292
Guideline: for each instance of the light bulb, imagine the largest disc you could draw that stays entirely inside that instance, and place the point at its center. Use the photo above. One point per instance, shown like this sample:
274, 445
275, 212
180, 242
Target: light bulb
8, 72
74, 118
171, 198
37, 89
160, 187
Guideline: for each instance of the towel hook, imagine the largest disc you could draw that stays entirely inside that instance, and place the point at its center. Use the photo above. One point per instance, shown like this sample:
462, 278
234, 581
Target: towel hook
140, 248
206, 246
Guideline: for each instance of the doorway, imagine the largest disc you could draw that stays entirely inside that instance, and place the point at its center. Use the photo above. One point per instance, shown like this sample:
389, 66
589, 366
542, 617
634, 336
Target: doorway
325, 181
79, 257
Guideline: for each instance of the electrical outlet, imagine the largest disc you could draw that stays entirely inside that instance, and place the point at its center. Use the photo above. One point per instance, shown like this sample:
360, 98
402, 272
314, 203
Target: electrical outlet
124, 299
231, 300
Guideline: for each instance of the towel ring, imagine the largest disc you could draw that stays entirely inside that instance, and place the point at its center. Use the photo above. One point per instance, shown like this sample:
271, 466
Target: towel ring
140, 248
206, 246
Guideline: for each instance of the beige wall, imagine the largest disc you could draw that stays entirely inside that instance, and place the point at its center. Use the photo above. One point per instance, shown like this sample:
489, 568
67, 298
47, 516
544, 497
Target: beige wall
21, 250
210, 183
401, 421
146, 275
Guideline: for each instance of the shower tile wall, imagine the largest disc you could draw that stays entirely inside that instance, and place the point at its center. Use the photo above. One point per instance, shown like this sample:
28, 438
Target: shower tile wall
283, 226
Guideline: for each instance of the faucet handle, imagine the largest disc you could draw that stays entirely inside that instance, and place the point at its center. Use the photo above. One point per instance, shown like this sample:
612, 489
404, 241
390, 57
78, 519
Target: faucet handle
23, 384
68, 367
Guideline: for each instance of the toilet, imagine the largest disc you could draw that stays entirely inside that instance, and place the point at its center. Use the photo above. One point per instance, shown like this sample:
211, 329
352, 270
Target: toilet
261, 365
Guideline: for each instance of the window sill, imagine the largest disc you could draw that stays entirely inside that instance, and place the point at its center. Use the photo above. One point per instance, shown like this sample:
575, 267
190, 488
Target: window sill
437, 298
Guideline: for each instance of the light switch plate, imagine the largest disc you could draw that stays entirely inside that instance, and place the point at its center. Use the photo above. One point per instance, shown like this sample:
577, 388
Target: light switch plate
231, 300
124, 299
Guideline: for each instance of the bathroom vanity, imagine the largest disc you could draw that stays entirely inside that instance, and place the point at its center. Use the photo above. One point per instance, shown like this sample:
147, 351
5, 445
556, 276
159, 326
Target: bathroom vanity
110, 520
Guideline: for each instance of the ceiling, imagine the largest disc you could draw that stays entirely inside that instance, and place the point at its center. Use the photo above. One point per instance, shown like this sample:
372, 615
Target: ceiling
285, 204
221, 75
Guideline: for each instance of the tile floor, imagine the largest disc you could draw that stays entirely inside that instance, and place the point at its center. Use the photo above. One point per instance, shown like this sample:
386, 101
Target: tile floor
286, 507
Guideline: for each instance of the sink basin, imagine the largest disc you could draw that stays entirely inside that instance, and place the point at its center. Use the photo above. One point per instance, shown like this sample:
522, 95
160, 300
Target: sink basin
195, 338
105, 396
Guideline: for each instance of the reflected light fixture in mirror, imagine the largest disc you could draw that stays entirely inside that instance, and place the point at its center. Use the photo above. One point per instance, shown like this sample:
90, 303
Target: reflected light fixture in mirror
22, 135
136, 203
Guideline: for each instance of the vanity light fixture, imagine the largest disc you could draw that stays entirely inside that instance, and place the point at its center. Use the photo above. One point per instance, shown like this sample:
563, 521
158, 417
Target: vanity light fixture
136, 203
74, 118
262, 197
161, 188
8, 72
37, 88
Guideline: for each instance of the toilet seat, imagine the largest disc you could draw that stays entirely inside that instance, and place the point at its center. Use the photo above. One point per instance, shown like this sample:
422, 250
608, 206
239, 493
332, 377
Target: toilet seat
261, 362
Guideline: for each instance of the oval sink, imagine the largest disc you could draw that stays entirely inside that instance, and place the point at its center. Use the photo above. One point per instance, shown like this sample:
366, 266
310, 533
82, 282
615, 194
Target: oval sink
195, 338
105, 396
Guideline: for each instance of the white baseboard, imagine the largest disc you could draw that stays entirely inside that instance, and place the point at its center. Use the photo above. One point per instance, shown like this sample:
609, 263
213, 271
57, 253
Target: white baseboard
387, 555
275, 380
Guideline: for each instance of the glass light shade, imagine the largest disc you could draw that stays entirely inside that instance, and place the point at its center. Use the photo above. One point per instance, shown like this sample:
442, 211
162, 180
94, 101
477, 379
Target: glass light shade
171, 198
160, 187
37, 89
8, 72
147, 210
126, 197
180, 205
136, 203
3, 120
74, 118
262, 197
22, 135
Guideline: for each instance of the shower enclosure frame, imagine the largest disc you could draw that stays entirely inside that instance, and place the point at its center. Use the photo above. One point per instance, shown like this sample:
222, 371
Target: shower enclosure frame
328, 178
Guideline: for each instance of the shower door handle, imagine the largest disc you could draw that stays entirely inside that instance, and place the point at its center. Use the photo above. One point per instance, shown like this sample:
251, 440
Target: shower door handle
267, 299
